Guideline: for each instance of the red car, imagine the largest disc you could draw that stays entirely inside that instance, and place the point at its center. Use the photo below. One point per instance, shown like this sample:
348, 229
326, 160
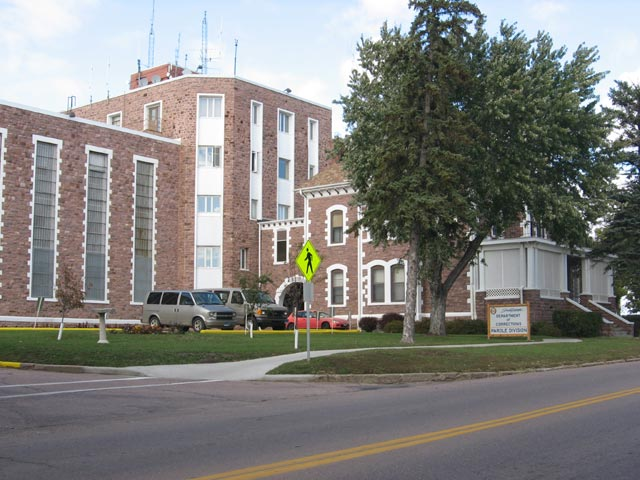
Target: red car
317, 320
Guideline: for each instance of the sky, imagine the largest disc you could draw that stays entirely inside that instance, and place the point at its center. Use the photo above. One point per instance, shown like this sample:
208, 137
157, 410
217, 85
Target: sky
55, 49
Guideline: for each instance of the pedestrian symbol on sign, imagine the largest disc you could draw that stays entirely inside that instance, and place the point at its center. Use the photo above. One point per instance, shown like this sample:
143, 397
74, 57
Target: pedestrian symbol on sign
308, 260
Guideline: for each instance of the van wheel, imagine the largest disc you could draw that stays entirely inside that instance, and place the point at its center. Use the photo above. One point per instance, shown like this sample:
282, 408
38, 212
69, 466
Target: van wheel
291, 326
155, 322
198, 325
325, 325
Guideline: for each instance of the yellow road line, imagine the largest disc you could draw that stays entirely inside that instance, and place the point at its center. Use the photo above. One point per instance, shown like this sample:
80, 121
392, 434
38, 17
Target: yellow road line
303, 463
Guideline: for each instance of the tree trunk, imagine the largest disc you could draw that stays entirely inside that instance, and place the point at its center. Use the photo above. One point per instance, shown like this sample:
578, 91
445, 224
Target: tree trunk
439, 295
409, 326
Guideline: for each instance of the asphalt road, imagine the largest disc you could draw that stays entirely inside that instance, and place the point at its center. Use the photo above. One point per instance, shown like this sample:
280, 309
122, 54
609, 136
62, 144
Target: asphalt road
578, 423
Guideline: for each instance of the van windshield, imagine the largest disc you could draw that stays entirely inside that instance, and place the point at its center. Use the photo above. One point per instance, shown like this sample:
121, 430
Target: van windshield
206, 298
260, 297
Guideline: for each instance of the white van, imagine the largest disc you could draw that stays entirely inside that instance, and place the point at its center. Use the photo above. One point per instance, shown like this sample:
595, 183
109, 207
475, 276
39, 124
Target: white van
196, 309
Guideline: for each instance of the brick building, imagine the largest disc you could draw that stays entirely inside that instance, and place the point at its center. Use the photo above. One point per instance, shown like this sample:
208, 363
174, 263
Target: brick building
193, 181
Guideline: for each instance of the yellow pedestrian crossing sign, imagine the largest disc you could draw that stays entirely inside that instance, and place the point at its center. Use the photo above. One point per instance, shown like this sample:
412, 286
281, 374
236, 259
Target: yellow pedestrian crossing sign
308, 260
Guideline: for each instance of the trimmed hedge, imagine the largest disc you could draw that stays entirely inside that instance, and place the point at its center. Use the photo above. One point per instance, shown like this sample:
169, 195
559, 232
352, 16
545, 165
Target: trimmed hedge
545, 329
394, 326
635, 318
577, 324
462, 326
389, 317
368, 324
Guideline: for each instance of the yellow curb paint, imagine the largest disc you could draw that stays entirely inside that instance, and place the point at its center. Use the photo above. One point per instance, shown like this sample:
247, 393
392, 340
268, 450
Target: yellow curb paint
11, 364
303, 463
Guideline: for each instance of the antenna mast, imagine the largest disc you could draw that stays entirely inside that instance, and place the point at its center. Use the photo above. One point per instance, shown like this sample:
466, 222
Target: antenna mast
152, 40
178, 52
205, 39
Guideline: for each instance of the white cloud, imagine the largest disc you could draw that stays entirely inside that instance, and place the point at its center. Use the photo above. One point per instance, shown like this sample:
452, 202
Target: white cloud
547, 10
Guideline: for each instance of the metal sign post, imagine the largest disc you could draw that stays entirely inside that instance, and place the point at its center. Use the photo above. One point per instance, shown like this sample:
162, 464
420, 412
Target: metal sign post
308, 262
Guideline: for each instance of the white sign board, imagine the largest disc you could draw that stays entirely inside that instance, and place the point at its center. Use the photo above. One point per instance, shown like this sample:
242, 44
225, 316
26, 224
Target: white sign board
508, 321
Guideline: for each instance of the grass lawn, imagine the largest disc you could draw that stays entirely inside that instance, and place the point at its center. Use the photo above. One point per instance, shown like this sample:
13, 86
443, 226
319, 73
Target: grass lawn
80, 347
496, 359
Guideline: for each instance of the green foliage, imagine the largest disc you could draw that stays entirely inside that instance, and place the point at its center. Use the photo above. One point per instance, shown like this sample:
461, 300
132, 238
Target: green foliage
463, 326
253, 285
577, 324
393, 326
545, 329
423, 326
368, 324
451, 134
390, 317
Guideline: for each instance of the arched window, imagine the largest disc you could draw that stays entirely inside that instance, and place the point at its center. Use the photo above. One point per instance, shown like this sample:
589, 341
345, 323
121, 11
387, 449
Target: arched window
377, 284
336, 227
337, 287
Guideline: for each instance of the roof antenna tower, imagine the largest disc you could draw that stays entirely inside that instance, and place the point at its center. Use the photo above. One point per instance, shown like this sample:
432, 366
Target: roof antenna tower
204, 55
152, 39
178, 52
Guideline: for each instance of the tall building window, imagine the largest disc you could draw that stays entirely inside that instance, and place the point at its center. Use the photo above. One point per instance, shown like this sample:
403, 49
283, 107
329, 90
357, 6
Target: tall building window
253, 212
143, 227
256, 113
153, 117
336, 219
208, 257
209, 156
284, 122
283, 168
244, 254
337, 287
281, 246
312, 170
313, 130
397, 283
255, 161
283, 212
210, 106
208, 203
377, 284
95, 266
45, 202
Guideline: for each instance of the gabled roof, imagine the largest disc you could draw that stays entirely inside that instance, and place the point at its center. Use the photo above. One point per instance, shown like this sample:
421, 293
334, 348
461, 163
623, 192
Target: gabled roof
330, 180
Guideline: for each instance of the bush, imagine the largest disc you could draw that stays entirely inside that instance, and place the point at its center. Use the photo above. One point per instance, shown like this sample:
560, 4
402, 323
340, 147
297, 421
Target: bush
463, 326
141, 329
545, 329
368, 324
389, 317
635, 318
394, 326
422, 327
577, 324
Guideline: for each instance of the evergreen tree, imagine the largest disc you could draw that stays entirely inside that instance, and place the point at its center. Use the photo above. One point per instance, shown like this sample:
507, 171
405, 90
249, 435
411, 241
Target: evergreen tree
452, 134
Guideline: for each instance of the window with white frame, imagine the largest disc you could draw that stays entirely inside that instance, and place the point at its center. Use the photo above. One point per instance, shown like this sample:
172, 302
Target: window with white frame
208, 257
312, 170
208, 203
313, 130
281, 246
283, 168
255, 162
376, 282
283, 212
209, 156
115, 119
244, 254
144, 211
256, 113
284, 121
153, 117
336, 287
336, 227
97, 198
397, 282
210, 106
253, 212
43, 233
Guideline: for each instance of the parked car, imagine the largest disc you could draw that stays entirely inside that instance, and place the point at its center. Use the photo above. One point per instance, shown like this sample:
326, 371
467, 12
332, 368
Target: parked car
265, 313
196, 309
317, 320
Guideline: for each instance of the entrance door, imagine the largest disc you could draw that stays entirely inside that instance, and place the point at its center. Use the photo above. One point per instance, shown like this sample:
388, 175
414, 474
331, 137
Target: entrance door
574, 277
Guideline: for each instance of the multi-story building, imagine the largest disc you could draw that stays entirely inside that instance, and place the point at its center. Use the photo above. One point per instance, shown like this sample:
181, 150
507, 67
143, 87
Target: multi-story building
194, 181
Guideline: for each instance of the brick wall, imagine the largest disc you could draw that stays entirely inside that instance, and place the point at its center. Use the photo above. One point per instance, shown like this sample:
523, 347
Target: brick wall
22, 124
179, 115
